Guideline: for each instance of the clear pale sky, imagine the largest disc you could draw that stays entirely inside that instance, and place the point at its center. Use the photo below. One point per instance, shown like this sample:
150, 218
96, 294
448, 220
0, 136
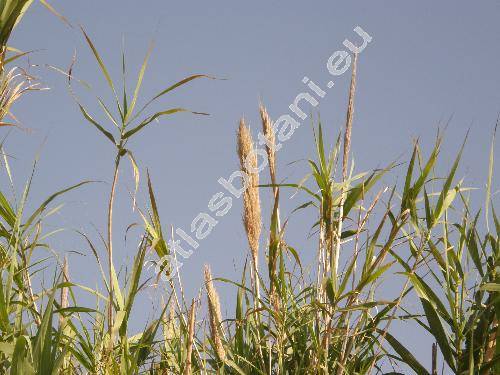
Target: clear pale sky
428, 61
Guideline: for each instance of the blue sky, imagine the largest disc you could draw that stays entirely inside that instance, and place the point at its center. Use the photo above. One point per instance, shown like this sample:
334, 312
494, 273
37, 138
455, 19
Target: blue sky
428, 62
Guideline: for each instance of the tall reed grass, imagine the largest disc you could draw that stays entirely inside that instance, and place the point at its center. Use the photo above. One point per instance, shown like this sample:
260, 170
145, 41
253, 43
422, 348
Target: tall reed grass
423, 233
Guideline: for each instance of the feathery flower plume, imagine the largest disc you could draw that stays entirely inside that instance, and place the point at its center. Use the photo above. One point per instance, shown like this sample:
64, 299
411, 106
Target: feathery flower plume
13, 84
345, 162
349, 117
189, 344
251, 202
267, 128
169, 323
215, 316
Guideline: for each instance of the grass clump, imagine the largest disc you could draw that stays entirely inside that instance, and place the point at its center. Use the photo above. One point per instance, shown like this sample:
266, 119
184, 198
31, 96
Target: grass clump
290, 319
